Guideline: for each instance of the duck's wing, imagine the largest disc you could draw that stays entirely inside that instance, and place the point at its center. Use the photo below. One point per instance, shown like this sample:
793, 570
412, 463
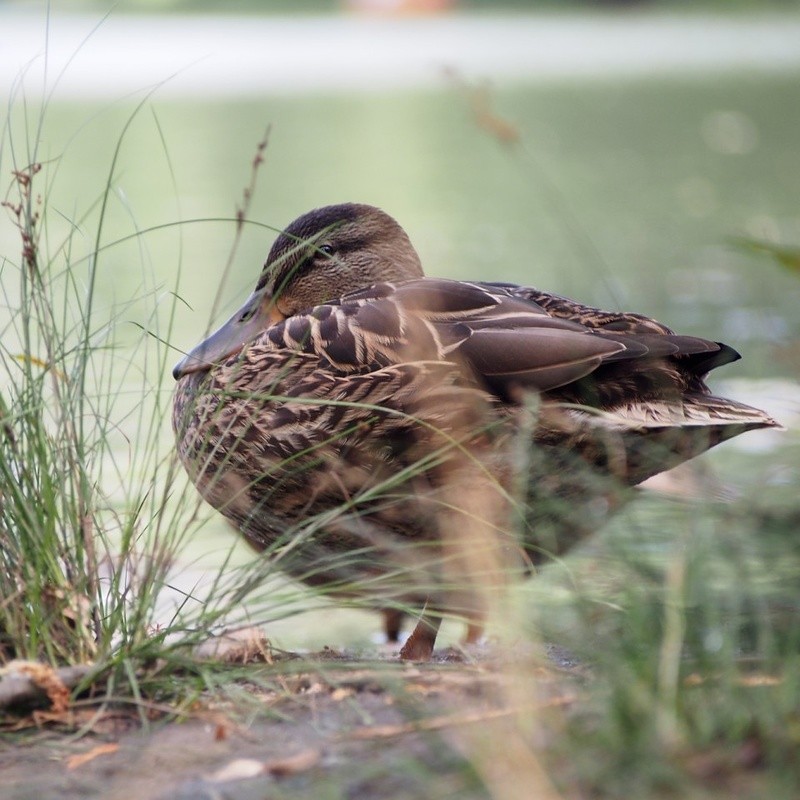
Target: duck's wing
699, 355
504, 339
589, 316
494, 335
502, 334
518, 337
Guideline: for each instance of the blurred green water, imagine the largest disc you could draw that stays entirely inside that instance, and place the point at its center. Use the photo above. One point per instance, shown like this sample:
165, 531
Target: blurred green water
622, 194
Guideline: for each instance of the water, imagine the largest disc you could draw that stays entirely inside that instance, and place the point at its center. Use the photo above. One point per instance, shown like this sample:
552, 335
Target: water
207, 56
617, 194
646, 142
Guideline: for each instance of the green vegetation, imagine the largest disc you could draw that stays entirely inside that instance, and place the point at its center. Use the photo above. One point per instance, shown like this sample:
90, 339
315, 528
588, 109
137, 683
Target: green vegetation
87, 530
93, 506
688, 617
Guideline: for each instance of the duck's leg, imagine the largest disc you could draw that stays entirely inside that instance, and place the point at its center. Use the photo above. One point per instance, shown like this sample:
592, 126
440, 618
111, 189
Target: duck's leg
392, 624
475, 627
419, 646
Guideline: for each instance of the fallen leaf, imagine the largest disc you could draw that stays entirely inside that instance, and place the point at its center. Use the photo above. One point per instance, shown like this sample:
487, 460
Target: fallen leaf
243, 646
221, 732
283, 767
752, 679
760, 679
238, 769
47, 679
73, 762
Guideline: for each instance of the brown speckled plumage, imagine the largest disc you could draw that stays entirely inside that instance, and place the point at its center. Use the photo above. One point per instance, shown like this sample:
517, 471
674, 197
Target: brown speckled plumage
353, 409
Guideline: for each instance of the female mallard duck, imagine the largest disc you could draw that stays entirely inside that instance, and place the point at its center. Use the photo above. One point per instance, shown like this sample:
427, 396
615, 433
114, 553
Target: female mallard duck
403, 438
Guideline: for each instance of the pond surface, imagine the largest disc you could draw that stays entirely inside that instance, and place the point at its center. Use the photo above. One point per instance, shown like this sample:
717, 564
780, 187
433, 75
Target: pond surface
643, 144
225, 56
625, 194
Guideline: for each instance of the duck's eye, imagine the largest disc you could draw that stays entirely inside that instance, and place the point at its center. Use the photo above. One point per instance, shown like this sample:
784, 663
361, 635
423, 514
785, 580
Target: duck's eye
328, 249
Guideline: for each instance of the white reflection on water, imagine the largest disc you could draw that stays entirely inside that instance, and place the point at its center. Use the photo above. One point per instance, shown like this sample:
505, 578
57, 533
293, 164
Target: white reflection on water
778, 397
227, 55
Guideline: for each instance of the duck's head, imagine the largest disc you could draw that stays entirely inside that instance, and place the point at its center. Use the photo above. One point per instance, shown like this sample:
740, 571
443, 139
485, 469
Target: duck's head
322, 255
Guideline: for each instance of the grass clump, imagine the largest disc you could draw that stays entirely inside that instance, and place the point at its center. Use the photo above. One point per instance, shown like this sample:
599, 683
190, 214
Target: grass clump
63, 533
93, 511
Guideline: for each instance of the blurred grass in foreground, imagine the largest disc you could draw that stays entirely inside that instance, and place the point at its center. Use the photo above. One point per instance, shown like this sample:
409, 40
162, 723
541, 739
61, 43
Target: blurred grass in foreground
686, 615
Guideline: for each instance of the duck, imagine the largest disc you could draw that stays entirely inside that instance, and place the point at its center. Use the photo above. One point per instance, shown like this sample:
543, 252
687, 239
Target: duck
409, 441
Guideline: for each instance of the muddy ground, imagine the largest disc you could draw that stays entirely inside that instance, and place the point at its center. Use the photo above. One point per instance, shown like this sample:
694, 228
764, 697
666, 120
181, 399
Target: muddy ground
331, 728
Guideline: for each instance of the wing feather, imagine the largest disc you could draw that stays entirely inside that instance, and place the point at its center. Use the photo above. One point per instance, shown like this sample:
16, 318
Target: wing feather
539, 358
506, 337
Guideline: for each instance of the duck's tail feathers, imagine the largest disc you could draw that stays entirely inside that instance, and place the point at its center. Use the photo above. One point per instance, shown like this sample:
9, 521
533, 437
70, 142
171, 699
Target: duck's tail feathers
664, 437
710, 410
693, 411
649, 437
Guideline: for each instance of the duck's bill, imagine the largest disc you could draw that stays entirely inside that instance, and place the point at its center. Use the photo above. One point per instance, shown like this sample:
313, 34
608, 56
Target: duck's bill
257, 314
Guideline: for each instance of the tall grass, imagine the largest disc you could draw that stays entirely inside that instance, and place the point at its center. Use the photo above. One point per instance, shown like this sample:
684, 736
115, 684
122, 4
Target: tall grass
75, 517
94, 508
